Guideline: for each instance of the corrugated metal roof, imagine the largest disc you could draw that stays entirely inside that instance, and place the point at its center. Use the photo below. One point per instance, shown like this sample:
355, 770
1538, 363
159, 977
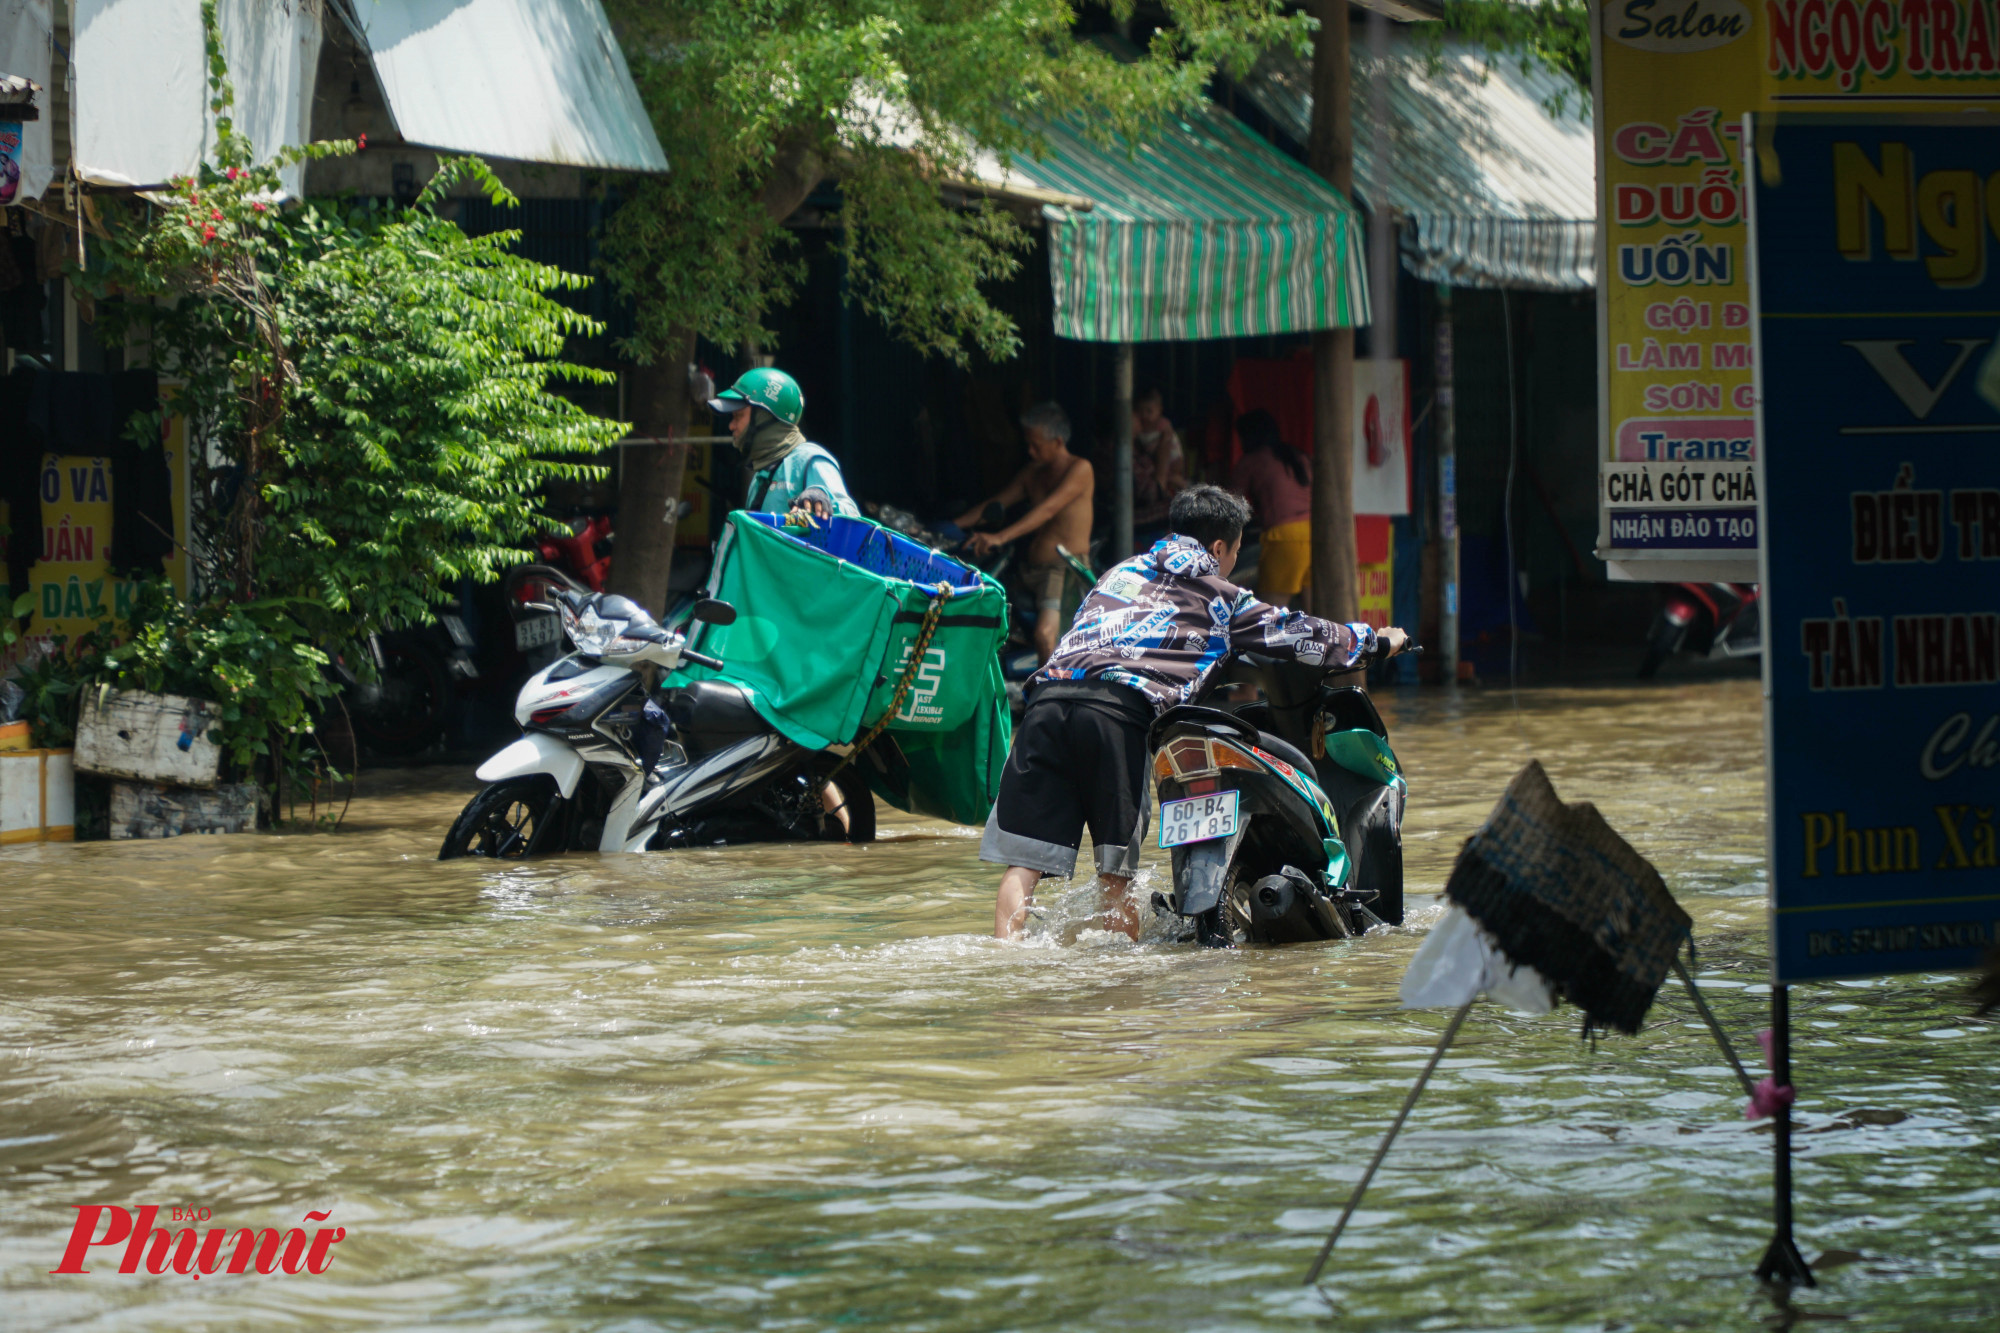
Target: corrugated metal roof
1202, 231
531, 80
141, 92
1495, 190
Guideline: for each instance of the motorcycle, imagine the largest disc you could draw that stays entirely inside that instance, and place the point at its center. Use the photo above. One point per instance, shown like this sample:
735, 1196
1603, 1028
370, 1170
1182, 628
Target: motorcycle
1708, 619
1284, 816
406, 704
602, 764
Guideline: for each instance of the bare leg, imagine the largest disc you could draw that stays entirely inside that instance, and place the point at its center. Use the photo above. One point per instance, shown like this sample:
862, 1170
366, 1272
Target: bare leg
1119, 913
1045, 632
834, 803
1010, 908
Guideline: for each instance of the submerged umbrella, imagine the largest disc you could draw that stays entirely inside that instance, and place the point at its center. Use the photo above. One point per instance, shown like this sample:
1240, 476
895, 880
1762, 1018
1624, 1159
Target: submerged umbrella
1558, 890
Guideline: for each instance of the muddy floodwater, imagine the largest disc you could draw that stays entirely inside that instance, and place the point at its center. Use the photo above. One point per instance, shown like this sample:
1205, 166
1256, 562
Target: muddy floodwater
793, 1088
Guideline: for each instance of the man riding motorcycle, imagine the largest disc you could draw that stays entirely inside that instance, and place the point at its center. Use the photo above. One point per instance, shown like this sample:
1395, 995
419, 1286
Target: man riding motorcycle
788, 471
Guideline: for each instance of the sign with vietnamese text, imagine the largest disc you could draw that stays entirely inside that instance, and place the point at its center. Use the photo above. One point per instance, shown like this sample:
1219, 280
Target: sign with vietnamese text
1674, 80
1878, 319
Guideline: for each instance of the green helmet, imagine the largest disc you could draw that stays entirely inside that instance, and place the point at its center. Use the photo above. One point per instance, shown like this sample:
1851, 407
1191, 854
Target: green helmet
773, 390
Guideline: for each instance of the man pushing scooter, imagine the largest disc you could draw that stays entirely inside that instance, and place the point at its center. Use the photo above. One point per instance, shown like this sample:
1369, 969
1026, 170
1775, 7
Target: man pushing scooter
1149, 636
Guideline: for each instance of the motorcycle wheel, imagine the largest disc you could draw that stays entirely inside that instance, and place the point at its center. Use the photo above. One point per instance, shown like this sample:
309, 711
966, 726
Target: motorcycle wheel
858, 805
506, 821
1211, 928
416, 691
1663, 640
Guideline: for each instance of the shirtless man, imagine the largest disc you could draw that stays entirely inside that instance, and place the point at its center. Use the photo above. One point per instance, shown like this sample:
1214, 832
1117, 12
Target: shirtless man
1061, 486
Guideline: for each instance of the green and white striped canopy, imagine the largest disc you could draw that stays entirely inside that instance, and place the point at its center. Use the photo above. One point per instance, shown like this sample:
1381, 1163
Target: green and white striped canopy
1205, 231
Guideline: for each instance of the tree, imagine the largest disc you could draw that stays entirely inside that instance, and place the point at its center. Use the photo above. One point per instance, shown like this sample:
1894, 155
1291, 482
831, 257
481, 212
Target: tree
1335, 561
366, 391
1554, 33
756, 102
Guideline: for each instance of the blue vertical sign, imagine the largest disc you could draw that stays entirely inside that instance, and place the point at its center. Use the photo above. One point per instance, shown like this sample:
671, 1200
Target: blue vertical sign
1876, 281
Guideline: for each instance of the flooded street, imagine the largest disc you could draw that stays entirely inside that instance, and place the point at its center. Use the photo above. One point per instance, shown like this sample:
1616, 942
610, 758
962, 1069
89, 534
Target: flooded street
798, 1087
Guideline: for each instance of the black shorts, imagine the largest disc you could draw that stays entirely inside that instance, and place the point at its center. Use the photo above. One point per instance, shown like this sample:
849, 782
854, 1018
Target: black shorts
1079, 759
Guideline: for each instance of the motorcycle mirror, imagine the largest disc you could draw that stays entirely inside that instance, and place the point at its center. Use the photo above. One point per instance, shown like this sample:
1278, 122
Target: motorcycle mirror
712, 612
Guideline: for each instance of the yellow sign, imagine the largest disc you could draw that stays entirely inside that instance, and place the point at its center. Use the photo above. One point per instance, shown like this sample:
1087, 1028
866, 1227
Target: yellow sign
1376, 589
1674, 81
71, 582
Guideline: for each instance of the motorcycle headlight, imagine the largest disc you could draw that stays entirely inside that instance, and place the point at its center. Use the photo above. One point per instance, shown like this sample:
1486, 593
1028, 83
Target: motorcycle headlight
591, 633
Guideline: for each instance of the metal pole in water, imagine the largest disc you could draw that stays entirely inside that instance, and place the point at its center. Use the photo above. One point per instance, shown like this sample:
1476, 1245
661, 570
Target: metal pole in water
1782, 1261
1409, 1104
1721, 1038
1447, 480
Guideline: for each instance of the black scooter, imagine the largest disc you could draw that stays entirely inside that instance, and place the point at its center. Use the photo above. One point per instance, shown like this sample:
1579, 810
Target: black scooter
1284, 817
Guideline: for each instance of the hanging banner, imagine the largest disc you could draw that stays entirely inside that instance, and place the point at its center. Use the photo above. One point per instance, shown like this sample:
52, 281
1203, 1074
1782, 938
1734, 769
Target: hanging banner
1672, 82
1381, 436
1877, 316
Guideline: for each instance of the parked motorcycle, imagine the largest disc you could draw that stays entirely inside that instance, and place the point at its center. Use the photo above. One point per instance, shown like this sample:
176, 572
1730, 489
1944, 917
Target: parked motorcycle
1284, 817
1707, 619
602, 764
404, 704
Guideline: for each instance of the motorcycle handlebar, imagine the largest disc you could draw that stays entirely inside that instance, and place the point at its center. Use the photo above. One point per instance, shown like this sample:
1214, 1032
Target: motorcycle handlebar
701, 659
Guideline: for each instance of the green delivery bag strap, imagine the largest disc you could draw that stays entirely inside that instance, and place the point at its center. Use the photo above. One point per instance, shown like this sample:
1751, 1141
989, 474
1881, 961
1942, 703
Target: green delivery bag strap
940, 594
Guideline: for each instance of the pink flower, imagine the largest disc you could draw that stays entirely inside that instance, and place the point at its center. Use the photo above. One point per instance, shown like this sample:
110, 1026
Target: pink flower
258, 207
207, 235
235, 173
361, 143
216, 214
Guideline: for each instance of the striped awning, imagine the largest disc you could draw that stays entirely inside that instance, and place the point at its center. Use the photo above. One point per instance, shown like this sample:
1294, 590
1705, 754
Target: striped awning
1202, 231
1491, 189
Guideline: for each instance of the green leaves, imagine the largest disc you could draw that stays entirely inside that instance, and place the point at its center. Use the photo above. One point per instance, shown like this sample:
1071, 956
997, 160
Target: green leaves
256, 660
756, 101
1555, 33
370, 418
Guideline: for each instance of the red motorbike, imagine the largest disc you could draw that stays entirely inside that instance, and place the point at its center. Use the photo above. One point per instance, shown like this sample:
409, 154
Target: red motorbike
1707, 619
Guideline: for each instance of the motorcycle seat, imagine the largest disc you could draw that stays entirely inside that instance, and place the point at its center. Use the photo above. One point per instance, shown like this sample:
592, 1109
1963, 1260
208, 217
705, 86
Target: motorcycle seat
1197, 715
711, 715
613, 607
1285, 750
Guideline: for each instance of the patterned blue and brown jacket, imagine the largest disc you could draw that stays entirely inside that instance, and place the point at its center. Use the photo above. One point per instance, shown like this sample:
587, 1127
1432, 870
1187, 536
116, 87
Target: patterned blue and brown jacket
1163, 622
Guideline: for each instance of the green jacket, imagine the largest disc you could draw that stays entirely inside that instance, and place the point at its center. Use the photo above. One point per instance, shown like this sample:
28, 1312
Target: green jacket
773, 489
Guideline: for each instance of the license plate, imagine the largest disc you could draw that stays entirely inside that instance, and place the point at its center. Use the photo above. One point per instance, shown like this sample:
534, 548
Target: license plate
536, 631
1198, 818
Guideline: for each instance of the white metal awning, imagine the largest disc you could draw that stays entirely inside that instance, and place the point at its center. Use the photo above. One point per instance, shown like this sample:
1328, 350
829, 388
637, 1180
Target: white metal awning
531, 80
1493, 190
141, 99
